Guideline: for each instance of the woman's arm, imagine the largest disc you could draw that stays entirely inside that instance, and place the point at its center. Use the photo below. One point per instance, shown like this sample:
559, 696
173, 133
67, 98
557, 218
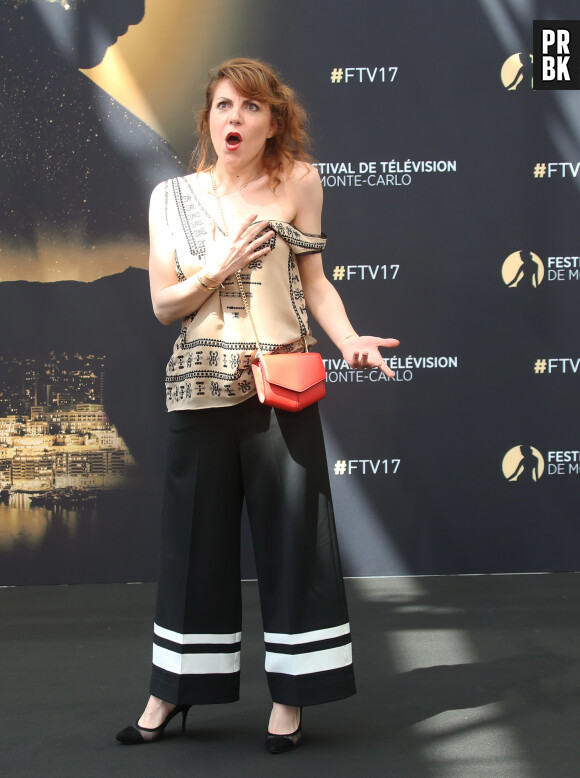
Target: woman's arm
171, 300
322, 299
174, 300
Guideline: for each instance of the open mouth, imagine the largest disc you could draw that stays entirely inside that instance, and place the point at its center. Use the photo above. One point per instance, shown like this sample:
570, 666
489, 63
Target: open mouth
233, 140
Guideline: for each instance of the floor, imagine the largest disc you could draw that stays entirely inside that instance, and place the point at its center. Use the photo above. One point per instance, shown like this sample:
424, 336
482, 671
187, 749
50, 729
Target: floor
458, 677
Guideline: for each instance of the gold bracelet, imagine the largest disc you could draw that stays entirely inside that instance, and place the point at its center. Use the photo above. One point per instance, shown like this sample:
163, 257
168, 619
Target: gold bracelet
202, 282
198, 286
215, 281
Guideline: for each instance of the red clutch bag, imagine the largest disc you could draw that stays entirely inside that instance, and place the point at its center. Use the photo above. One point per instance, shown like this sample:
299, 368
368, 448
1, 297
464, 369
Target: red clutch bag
290, 381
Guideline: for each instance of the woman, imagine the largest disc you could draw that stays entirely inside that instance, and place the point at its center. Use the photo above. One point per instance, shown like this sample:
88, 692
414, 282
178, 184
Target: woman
254, 205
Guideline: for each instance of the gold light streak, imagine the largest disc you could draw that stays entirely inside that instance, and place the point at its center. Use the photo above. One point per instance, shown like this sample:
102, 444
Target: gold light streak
114, 76
70, 260
158, 69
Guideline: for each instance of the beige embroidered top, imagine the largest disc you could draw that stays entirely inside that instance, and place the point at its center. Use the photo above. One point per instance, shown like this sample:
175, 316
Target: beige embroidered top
211, 361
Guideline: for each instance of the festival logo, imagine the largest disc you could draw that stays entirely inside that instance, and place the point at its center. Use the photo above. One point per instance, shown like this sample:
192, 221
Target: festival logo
517, 70
523, 463
522, 268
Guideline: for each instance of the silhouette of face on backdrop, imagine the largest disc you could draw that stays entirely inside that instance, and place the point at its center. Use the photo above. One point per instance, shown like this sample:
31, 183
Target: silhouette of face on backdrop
79, 166
82, 30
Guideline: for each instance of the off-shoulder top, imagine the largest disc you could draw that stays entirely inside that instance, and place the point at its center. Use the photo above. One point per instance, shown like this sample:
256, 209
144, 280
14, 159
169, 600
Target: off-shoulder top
211, 361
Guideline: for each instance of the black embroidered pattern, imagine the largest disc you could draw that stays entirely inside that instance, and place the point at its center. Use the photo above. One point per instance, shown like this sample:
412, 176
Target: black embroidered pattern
299, 239
192, 227
202, 208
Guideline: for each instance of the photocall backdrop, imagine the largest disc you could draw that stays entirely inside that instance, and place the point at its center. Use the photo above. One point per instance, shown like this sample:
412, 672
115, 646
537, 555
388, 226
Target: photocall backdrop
451, 205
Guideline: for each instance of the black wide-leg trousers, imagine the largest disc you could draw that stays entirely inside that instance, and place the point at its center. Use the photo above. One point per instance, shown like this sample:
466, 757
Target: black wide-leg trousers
277, 461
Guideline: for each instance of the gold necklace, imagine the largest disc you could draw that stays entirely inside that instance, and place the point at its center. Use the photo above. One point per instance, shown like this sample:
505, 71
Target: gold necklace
236, 189
218, 200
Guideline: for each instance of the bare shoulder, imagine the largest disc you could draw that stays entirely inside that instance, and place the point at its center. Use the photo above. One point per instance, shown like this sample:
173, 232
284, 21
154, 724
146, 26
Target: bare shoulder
304, 175
304, 183
305, 189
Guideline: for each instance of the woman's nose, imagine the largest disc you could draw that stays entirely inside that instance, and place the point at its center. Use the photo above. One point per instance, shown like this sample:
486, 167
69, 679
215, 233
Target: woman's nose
235, 117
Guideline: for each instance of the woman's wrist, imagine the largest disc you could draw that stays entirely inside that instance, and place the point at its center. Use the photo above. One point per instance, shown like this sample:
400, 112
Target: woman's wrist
213, 281
348, 337
204, 283
210, 278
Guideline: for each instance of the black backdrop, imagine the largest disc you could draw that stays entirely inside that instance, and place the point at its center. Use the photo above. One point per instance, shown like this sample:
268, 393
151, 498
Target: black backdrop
431, 150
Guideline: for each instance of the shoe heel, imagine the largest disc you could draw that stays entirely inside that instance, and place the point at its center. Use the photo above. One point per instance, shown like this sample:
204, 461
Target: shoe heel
184, 713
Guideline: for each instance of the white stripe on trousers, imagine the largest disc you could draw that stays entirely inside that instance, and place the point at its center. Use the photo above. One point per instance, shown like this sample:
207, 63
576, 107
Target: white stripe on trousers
310, 662
195, 664
195, 638
307, 637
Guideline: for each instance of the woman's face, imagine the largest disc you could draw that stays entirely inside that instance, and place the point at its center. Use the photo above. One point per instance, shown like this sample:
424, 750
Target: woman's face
239, 126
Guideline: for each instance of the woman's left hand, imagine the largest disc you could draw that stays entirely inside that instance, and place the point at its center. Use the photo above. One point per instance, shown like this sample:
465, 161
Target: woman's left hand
363, 352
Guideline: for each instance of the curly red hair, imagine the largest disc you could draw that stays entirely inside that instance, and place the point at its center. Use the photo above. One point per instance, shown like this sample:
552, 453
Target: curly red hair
257, 80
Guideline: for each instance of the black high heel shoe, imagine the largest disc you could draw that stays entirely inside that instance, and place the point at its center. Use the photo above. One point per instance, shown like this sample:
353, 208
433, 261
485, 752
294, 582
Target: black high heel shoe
278, 744
134, 734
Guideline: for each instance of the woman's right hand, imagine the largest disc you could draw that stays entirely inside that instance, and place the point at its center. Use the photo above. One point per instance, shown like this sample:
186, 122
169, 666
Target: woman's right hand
226, 254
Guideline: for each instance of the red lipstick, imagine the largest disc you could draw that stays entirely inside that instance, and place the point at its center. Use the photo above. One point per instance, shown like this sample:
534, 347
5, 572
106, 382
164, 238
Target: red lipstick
233, 140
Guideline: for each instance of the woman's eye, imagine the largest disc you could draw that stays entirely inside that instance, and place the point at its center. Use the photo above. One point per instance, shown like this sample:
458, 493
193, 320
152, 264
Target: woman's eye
253, 107
221, 104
